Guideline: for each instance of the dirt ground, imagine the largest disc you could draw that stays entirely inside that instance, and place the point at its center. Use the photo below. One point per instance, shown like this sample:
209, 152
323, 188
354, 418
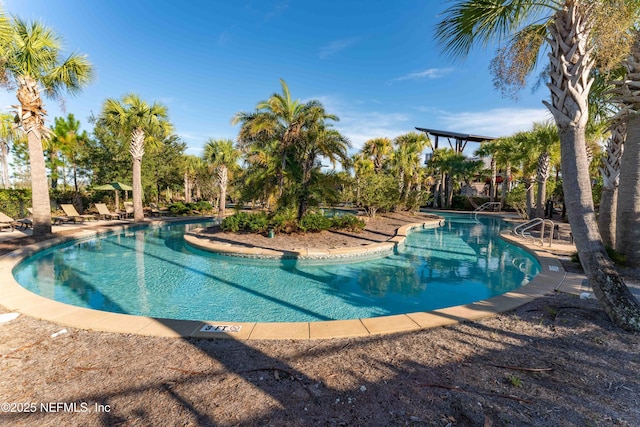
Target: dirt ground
557, 361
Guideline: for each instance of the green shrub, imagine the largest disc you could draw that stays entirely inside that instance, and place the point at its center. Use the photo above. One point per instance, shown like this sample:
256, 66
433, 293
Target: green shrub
314, 222
258, 223
284, 222
348, 222
179, 208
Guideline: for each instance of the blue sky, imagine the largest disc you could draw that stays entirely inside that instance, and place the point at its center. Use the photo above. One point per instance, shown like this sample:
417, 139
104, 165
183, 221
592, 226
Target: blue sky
374, 64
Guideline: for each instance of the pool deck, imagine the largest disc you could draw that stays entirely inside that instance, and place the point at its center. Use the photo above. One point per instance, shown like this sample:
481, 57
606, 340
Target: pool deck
13, 297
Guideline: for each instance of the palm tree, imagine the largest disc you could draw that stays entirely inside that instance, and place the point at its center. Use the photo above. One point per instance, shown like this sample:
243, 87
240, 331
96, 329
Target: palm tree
143, 124
223, 156
505, 156
321, 141
362, 167
31, 59
406, 158
278, 118
567, 27
610, 171
545, 136
490, 149
191, 167
8, 134
379, 150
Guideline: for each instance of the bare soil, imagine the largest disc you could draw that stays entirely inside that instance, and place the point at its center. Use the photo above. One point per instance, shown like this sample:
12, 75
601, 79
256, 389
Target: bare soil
557, 361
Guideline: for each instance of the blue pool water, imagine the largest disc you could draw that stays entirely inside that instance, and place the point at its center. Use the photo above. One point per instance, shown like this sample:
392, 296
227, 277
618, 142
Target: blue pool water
152, 272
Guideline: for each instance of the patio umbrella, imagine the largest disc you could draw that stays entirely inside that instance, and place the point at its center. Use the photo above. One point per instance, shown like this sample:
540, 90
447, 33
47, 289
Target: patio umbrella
114, 186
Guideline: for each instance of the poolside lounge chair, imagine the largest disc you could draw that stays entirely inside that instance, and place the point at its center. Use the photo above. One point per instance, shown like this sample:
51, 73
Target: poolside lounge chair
7, 222
71, 213
128, 209
157, 211
26, 222
104, 213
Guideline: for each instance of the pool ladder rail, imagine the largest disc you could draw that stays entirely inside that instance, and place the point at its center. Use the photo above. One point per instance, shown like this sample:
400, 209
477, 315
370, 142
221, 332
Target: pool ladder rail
523, 230
494, 206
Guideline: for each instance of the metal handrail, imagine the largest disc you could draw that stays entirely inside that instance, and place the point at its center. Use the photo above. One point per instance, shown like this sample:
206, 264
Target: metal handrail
522, 230
484, 207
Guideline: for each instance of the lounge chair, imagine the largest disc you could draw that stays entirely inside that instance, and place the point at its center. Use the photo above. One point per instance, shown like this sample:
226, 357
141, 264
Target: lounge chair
157, 211
128, 209
7, 222
104, 213
26, 222
71, 213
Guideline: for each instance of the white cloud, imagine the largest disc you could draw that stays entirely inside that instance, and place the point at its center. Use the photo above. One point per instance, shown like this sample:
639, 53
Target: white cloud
495, 122
360, 126
431, 73
337, 46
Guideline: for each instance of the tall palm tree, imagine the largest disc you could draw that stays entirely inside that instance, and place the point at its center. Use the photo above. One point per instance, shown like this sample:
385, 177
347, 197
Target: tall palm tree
223, 156
321, 141
490, 149
278, 118
31, 60
362, 167
567, 27
8, 134
191, 167
610, 171
505, 156
406, 158
379, 150
545, 136
143, 124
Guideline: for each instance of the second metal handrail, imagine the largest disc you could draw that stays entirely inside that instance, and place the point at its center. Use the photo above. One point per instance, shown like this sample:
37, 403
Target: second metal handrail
522, 230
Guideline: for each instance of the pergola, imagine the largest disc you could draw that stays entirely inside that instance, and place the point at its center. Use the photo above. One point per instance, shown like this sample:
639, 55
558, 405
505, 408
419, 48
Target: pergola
460, 139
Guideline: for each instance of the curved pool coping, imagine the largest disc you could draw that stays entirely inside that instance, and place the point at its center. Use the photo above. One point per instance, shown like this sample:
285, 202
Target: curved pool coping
16, 298
372, 250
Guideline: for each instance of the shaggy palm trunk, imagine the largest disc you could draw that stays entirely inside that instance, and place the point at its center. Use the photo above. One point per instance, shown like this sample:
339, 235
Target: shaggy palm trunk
610, 171
492, 183
187, 188
628, 206
528, 182
542, 176
4, 163
571, 66
32, 122
137, 151
223, 180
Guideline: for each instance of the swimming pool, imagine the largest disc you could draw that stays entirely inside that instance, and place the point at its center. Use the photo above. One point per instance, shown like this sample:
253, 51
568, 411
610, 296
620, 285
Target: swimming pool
151, 272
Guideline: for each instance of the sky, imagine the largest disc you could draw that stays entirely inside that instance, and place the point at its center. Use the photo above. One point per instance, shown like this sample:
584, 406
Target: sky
375, 64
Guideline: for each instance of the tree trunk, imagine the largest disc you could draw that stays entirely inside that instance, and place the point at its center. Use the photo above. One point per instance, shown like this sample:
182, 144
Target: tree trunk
528, 182
506, 179
492, 183
571, 81
628, 208
137, 151
4, 162
222, 182
32, 121
543, 174
610, 171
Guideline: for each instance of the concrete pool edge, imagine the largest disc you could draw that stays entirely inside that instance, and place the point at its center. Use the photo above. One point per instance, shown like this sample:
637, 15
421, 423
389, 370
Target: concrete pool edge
373, 250
15, 298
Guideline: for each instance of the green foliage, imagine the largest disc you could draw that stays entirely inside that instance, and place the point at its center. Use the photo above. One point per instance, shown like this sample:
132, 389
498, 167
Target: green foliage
515, 381
347, 222
616, 256
14, 203
284, 221
314, 222
179, 208
378, 192
517, 199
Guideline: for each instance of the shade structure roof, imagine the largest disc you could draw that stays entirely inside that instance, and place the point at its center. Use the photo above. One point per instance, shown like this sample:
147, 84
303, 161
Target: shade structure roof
113, 186
460, 139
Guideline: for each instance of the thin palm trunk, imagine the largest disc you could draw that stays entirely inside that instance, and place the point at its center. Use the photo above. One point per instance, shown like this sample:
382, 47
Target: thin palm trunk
506, 179
570, 73
543, 174
610, 171
32, 117
137, 151
223, 180
492, 183
4, 162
